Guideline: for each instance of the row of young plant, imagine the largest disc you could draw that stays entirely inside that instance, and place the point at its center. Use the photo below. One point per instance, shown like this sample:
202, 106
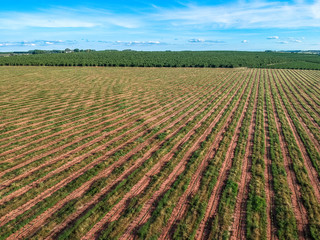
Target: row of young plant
67, 112
116, 228
256, 217
96, 153
307, 94
309, 80
74, 184
198, 205
310, 83
106, 201
178, 91
220, 226
312, 79
308, 122
76, 128
97, 143
307, 143
33, 157
31, 99
306, 101
79, 181
295, 102
95, 189
166, 203
307, 193
284, 218
86, 87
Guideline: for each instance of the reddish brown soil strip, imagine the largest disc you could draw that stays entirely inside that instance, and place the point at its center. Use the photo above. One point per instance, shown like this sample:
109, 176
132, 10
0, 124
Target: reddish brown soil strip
59, 158
114, 212
239, 223
306, 128
312, 173
42, 114
26, 230
145, 213
299, 101
271, 230
30, 109
50, 191
74, 161
298, 208
307, 98
63, 147
299, 77
128, 97
64, 155
97, 112
312, 120
63, 131
60, 132
194, 185
99, 122
72, 128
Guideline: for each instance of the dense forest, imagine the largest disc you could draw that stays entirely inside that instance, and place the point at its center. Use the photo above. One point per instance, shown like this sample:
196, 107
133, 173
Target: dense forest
129, 58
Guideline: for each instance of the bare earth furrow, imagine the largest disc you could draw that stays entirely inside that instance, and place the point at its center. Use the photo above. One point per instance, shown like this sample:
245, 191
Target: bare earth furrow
312, 173
194, 185
298, 208
66, 130
271, 230
142, 183
77, 149
146, 210
60, 119
75, 160
25, 231
239, 222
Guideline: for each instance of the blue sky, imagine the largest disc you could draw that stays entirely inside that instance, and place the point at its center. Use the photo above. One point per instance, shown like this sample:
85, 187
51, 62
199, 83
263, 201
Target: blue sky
160, 25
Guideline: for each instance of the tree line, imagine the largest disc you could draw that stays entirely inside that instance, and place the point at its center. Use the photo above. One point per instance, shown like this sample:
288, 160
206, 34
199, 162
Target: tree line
129, 58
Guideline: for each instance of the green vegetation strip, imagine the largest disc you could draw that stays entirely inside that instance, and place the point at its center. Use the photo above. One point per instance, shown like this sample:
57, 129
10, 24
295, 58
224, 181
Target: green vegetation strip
210, 59
307, 193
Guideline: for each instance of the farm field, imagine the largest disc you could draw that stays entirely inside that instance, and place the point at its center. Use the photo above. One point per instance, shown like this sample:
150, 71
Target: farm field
159, 153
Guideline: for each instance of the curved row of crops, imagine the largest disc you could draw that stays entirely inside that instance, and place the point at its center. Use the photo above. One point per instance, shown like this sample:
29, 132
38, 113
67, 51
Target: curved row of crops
149, 153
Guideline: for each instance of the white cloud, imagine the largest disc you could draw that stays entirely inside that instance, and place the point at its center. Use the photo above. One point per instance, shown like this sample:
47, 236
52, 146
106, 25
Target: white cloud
252, 14
273, 37
296, 40
196, 40
199, 40
134, 43
41, 43
66, 18
244, 41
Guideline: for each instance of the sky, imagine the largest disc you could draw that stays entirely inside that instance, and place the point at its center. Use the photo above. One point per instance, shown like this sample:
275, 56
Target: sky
154, 25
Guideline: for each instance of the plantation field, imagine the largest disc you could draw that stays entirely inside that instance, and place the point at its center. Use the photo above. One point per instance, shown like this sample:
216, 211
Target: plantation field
153, 153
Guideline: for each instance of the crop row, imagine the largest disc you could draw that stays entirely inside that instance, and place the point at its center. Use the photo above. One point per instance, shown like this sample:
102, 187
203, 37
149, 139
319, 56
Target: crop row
160, 154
